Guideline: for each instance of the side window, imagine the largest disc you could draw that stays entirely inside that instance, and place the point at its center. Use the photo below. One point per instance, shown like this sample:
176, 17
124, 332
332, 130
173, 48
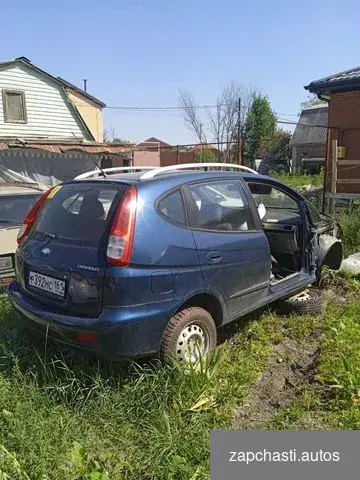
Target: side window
220, 206
273, 204
172, 207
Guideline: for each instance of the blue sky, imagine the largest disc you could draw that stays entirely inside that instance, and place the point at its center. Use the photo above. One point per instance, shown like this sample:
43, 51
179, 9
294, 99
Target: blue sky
140, 52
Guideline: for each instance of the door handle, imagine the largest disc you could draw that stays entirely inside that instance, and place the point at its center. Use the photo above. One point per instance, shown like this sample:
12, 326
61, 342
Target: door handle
214, 257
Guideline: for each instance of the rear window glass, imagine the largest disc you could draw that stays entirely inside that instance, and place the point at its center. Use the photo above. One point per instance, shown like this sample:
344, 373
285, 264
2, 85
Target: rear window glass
79, 212
173, 208
14, 208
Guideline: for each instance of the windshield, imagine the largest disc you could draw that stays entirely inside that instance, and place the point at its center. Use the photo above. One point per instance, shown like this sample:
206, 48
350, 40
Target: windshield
79, 211
14, 208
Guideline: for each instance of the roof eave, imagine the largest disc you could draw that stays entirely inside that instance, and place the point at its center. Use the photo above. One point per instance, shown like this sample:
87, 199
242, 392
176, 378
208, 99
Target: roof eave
340, 86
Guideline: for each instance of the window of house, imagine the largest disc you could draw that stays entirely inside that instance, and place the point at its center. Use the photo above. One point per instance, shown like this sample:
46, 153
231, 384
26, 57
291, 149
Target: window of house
14, 106
172, 207
220, 206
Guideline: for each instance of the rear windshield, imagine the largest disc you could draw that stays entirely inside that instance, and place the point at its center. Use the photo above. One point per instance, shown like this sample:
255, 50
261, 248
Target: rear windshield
14, 208
80, 211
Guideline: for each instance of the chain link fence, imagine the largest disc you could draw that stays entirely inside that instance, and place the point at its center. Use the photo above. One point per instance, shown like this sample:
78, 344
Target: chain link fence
314, 196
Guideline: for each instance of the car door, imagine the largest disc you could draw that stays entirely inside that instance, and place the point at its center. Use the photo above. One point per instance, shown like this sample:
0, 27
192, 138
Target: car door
234, 253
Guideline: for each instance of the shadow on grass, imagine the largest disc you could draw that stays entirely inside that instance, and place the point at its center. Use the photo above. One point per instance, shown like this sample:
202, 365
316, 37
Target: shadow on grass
228, 331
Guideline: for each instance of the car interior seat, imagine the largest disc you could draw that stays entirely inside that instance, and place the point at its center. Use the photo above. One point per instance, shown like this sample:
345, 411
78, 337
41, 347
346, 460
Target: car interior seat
173, 209
92, 209
210, 216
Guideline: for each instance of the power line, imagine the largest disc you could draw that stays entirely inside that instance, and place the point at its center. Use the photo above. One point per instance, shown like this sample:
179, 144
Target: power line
176, 108
152, 109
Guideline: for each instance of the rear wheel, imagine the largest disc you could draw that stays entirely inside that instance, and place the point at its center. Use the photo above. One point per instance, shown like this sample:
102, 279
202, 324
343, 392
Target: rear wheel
189, 335
309, 301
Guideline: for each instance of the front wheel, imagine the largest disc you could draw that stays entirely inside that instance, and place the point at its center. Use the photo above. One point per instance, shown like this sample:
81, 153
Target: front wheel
189, 335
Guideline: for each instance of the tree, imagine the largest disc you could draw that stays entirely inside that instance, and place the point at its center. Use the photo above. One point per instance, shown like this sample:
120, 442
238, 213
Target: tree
220, 123
259, 129
206, 154
311, 100
111, 136
277, 152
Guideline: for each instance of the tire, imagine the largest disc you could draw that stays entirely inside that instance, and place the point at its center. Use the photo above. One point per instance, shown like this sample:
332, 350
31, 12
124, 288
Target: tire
307, 302
193, 324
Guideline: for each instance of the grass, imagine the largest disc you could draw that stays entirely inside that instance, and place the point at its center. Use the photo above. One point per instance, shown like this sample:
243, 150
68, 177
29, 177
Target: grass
298, 181
66, 416
334, 402
350, 225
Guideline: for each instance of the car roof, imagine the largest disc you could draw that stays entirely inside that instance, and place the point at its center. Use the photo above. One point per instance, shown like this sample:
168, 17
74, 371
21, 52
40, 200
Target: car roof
19, 189
168, 180
177, 177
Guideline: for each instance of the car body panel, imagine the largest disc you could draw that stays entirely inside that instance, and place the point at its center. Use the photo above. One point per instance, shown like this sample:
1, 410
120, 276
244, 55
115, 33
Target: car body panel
238, 265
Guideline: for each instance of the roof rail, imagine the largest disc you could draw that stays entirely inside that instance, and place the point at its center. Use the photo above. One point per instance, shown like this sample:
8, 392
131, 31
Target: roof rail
98, 172
171, 168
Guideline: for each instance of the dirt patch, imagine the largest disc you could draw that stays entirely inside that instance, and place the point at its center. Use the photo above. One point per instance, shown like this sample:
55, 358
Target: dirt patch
291, 369
340, 292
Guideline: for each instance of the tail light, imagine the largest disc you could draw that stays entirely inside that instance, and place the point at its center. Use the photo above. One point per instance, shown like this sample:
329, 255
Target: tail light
88, 338
120, 244
32, 216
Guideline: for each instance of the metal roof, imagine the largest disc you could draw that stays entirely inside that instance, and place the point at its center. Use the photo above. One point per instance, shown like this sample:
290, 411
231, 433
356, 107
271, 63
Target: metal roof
57, 146
311, 127
343, 81
14, 189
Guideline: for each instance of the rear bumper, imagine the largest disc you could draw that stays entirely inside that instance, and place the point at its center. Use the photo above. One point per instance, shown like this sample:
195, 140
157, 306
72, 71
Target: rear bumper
122, 332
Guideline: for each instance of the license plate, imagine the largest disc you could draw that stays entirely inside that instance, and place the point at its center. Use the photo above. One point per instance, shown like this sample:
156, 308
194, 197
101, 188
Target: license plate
49, 284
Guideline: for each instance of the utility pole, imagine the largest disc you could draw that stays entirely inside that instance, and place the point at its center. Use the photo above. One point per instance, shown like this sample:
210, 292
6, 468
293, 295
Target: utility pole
239, 132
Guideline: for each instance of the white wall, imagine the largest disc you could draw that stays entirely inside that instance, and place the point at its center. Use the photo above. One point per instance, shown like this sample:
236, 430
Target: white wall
48, 115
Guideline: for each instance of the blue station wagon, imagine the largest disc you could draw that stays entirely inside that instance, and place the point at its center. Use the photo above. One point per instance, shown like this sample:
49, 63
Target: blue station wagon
152, 262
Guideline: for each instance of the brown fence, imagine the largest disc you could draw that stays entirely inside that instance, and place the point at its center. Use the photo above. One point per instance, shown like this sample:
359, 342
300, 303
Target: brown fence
162, 155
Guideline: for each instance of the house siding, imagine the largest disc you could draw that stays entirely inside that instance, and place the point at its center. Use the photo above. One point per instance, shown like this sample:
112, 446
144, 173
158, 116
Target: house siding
91, 114
344, 119
48, 114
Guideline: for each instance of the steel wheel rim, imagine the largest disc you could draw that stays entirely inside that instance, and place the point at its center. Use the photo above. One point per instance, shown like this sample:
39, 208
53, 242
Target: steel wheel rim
302, 296
192, 344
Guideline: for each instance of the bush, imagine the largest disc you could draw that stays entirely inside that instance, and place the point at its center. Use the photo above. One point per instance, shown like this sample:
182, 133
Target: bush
350, 226
297, 181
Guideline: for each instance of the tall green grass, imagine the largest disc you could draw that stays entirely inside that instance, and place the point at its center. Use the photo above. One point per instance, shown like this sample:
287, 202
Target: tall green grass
350, 226
64, 415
